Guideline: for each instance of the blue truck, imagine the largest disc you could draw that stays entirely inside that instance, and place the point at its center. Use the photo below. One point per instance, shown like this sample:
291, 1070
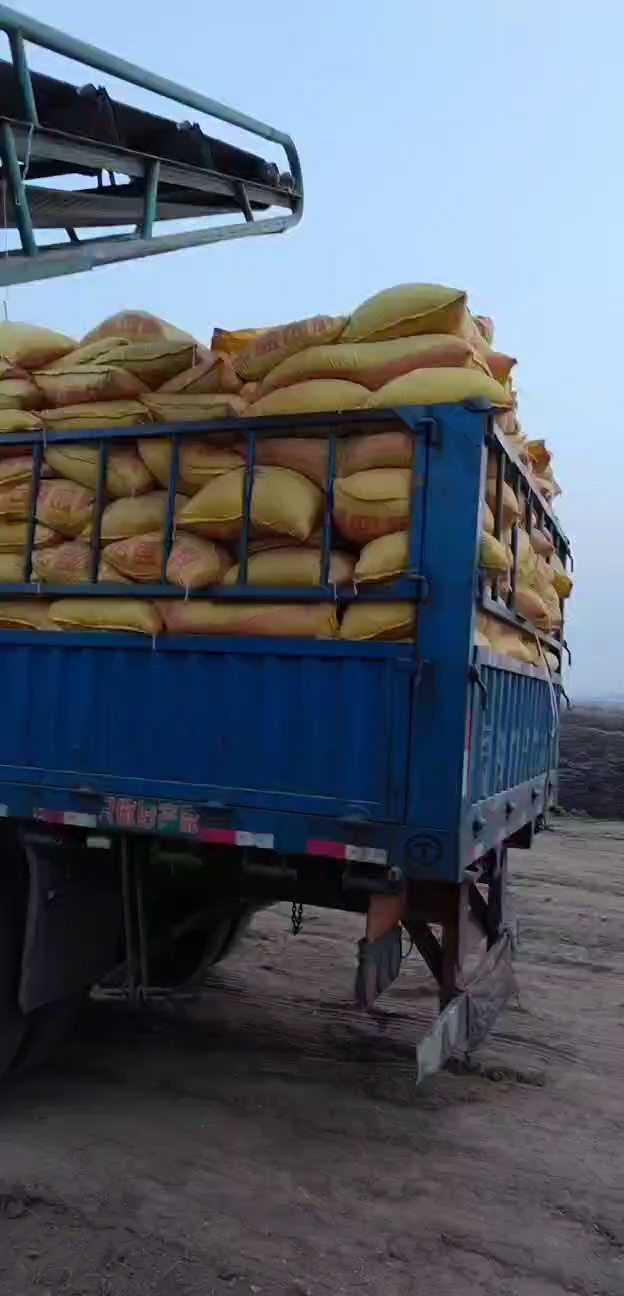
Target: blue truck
154, 794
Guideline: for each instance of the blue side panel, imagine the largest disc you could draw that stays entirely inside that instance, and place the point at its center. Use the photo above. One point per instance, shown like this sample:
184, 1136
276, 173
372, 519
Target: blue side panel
316, 728
514, 728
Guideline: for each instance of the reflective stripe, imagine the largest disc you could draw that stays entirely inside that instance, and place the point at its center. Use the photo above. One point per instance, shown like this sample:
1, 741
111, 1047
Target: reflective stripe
344, 851
227, 837
68, 818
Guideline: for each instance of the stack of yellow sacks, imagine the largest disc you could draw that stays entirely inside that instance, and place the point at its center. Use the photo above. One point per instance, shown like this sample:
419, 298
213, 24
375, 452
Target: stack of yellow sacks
416, 344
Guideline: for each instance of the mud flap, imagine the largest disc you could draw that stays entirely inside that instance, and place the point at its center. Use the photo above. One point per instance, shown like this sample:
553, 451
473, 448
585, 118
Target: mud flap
379, 964
73, 919
469, 1017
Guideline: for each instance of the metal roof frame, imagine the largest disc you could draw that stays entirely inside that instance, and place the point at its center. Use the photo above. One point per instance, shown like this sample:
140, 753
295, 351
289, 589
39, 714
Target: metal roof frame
173, 171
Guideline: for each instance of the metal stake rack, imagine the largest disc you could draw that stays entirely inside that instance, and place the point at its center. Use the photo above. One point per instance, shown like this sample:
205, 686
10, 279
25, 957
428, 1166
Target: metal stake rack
135, 169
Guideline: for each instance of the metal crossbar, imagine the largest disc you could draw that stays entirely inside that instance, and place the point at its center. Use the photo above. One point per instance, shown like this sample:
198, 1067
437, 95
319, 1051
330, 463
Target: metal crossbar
420, 422
173, 171
412, 586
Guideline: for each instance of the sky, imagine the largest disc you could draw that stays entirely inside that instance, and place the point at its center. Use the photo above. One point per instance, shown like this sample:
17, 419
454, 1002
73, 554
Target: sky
478, 146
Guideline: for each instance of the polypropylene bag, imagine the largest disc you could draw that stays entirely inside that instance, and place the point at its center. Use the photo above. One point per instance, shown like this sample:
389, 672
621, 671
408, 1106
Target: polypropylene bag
373, 503
406, 310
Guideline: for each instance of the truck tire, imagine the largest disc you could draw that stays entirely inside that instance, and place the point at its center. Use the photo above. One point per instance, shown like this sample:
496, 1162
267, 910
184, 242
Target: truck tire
186, 962
222, 940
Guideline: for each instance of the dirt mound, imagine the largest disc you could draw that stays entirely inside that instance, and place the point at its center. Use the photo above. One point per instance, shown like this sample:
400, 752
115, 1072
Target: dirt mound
591, 777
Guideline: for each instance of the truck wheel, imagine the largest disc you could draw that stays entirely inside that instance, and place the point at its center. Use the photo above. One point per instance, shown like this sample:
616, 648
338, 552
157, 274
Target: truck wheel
185, 962
222, 940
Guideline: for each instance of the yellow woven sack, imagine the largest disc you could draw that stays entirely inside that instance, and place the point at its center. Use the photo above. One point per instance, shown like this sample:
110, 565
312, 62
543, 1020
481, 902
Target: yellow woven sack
135, 517
383, 559
406, 310
379, 621
30, 347
11, 569
493, 556
394, 449
510, 642
372, 364
440, 387
282, 501
293, 621
214, 373
29, 614
233, 343
195, 564
139, 557
199, 461
92, 353
17, 468
19, 420
527, 559
485, 327
274, 345
511, 508
373, 503
14, 499
137, 616
293, 567
541, 541
136, 326
86, 384
154, 363
13, 537
499, 365
171, 407
562, 580
63, 506
530, 605
19, 393
63, 564
321, 396
108, 575
305, 455
126, 474
100, 414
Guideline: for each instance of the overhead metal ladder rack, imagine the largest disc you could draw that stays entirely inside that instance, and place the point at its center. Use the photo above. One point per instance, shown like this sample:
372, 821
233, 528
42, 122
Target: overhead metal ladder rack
134, 169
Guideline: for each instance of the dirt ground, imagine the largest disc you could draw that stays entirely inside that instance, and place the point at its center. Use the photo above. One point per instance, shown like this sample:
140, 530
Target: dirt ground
265, 1145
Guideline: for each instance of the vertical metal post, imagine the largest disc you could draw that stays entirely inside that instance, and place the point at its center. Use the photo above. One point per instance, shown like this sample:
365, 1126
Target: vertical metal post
96, 522
142, 925
437, 784
127, 918
243, 559
171, 506
498, 508
454, 932
420, 458
328, 515
32, 508
12, 170
20, 63
150, 199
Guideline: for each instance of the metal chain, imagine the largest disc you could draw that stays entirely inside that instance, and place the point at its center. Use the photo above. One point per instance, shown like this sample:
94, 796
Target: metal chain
296, 918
